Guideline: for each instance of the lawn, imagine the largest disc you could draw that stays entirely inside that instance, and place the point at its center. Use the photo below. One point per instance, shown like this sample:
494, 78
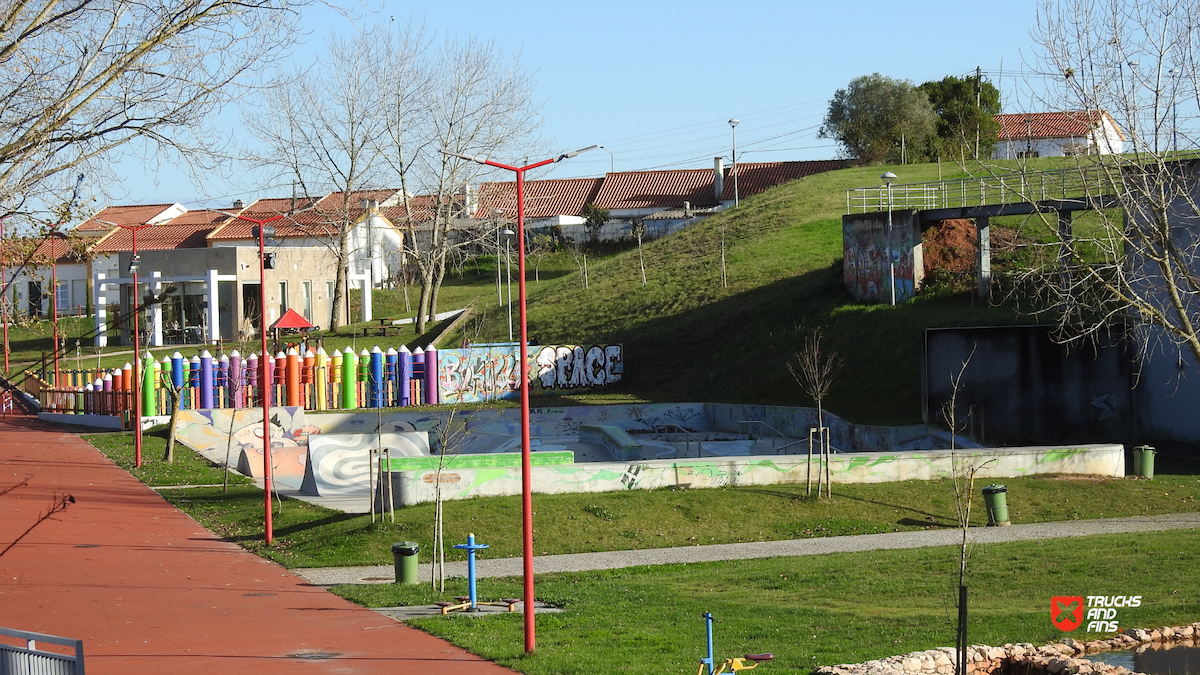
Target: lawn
311, 536
816, 610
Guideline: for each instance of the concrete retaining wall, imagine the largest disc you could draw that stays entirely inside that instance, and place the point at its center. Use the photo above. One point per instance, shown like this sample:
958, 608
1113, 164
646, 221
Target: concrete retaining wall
414, 487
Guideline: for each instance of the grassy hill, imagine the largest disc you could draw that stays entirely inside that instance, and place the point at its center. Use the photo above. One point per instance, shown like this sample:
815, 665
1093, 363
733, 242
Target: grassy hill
687, 338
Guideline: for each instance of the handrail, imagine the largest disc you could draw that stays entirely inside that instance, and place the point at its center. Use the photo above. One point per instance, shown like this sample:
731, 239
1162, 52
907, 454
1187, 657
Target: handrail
1018, 187
761, 423
688, 437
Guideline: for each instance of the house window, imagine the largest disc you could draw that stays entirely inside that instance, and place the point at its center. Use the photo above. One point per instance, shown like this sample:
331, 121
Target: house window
62, 296
307, 300
283, 298
1028, 155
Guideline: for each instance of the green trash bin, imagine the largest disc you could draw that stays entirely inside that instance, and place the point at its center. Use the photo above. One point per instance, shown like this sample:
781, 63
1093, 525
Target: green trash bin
996, 500
404, 555
1143, 461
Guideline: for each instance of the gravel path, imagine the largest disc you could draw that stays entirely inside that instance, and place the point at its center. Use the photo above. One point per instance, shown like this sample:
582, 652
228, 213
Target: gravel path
579, 562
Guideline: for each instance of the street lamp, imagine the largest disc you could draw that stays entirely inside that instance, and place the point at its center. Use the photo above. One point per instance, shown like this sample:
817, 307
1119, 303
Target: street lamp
508, 275
612, 159
888, 177
498, 214
54, 235
733, 125
523, 365
261, 232
134, 263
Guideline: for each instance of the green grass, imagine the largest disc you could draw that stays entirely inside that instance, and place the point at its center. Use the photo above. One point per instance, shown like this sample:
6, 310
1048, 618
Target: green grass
312, 536
189, 468
815, 610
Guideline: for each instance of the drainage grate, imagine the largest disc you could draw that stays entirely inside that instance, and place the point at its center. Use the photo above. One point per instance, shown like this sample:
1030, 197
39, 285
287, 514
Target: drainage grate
256, 594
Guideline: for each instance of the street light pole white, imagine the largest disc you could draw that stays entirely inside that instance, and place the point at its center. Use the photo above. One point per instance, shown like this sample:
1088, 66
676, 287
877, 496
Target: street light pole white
733, 125
612, 159
888, 177
523, 371
508, 276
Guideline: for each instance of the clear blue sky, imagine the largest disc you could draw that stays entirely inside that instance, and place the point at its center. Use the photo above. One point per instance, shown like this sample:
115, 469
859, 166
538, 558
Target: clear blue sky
656, 82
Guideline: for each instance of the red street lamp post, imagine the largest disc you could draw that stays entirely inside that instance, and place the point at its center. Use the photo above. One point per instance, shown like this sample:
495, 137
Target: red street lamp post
55, 235
260, 232
134, 263
4, 282
523, 356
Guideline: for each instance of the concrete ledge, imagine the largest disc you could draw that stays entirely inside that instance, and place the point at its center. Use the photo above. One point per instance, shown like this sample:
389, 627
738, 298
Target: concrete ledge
414, 487
614, 439
96, 421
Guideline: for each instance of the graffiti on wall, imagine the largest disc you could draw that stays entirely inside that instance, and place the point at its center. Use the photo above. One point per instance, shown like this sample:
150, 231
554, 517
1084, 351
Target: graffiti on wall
867, 244
477, 374
575, 367
490, 373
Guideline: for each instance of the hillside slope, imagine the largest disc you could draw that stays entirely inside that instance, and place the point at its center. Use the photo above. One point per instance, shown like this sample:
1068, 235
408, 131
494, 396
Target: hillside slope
687, 338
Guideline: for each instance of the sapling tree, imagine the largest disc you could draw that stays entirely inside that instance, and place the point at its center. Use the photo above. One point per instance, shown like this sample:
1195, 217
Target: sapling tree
814, 370
963, 470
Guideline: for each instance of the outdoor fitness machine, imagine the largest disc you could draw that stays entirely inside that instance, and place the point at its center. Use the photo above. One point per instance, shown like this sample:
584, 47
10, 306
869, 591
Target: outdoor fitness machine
470, 603
729, 665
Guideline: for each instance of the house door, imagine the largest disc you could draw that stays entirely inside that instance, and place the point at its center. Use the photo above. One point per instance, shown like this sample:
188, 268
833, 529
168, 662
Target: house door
35, 299
251, 310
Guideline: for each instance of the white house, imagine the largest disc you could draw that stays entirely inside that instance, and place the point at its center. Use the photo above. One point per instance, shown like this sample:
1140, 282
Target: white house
1058, 134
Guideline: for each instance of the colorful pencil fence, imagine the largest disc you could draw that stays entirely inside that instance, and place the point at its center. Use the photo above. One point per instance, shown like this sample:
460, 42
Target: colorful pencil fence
343, 380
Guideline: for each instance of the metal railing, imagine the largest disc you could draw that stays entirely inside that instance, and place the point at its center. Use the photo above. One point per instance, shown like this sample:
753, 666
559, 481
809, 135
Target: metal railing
661, 430
30, 659
1013, 188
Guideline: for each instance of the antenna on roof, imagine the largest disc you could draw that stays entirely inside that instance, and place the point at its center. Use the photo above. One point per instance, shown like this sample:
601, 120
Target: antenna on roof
293, 196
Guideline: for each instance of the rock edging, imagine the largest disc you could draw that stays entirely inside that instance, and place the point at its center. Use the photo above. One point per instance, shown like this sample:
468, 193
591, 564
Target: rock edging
1057, 658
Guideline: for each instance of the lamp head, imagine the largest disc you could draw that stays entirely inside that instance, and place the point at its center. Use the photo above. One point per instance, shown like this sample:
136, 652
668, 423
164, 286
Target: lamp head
888, 177
734, 122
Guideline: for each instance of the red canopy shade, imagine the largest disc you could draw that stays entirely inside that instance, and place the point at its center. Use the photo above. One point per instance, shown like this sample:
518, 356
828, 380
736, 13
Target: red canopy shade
291, 320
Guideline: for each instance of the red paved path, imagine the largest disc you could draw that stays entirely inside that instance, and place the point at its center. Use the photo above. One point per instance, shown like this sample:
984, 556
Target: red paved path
151, 591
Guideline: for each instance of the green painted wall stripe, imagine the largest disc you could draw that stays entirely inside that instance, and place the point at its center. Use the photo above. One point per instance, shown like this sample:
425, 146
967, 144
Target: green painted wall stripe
488, 461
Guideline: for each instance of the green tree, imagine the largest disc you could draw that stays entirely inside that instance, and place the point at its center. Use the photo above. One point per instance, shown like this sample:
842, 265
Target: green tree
967, 123
877, 118
594, 218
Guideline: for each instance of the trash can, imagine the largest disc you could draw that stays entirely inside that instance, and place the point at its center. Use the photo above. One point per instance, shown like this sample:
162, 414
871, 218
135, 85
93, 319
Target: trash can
996, 500
404, 555
1143, 461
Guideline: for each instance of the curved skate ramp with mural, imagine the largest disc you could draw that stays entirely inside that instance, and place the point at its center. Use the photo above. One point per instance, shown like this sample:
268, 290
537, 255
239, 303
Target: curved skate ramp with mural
597, 448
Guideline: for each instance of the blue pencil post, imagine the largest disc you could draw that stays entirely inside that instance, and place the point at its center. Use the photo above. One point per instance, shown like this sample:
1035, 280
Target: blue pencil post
471, 547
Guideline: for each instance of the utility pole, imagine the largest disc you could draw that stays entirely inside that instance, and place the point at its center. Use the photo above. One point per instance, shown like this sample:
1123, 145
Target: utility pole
978, 106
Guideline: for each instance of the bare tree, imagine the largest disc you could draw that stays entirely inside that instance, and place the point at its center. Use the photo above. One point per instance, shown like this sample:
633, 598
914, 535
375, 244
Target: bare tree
320, 127
815, 370
462, 96
639, 233
1137, 61
963, 470
83, 80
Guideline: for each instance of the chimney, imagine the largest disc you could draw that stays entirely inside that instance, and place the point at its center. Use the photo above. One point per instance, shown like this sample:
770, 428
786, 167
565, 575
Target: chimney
718, 177
238, 204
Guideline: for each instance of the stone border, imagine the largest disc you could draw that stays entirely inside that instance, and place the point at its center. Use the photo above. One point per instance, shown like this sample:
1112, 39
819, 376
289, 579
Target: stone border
1055, 659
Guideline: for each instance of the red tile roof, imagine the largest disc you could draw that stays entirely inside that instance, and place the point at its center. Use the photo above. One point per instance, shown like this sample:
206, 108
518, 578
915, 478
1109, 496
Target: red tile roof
656, 189
756, 177
543, 198
423, 209
186, 231
125, 215
1071, 124
314, 218
306, 224
14, 251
